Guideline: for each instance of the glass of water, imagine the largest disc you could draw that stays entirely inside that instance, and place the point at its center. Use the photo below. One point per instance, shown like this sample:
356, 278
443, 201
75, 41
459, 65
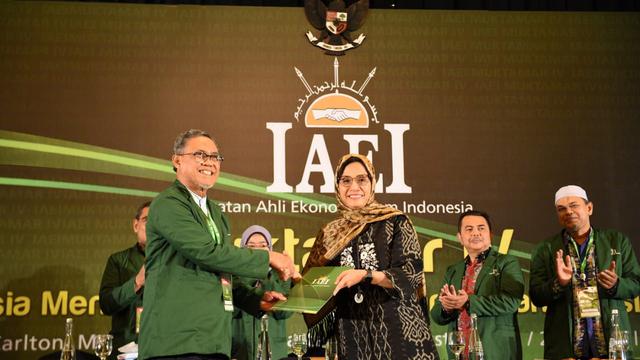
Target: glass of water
455, 341
299, 344
102, 345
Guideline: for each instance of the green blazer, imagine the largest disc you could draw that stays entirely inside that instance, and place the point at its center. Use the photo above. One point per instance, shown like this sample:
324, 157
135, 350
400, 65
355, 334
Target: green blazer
246, 327
558, 321
498, 293
117, 296
183, 305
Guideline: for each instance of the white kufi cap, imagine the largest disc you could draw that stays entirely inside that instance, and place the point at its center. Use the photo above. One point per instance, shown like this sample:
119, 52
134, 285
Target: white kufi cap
571, 190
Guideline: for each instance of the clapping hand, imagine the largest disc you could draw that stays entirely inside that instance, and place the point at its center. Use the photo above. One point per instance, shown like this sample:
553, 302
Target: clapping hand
564, 270
139, 280
452, 300
608, 278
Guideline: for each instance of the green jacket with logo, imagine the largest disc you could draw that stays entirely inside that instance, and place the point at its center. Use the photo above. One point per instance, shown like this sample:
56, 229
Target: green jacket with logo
558, 322
183, 305
497, 296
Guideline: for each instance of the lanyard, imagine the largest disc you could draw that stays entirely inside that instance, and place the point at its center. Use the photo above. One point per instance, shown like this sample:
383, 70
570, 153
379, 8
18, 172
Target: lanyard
583, 261
211, 225
225, 279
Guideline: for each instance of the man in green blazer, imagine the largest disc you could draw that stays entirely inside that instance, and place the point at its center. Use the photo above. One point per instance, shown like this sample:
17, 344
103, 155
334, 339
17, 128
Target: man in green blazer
122, 284
570, 263
191, 263
489, 285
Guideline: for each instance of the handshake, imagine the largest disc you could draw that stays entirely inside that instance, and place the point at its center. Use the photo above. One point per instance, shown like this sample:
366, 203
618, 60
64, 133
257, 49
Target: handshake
336, 114
283, 264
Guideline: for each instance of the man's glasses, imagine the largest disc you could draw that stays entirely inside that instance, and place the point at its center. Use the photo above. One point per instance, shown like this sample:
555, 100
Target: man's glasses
361, 180
202, 156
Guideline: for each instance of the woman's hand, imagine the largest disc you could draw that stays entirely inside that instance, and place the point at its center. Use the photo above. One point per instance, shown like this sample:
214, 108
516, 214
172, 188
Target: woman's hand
348, 278
351, 277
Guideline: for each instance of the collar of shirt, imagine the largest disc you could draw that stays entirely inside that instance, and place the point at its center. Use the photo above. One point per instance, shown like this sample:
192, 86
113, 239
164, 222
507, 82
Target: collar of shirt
483, 255
201, 201
582, 247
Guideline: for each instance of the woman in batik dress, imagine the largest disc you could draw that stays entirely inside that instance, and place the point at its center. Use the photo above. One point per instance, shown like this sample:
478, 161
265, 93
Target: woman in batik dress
380, 309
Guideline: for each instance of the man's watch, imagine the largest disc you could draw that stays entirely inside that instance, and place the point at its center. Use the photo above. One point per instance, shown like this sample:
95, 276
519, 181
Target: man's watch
368, 277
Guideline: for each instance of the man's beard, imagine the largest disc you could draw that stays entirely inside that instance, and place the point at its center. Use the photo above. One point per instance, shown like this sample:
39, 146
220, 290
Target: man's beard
573, 227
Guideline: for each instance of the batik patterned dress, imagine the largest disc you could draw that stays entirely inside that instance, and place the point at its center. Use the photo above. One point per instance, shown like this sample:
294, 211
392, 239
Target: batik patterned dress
389, 323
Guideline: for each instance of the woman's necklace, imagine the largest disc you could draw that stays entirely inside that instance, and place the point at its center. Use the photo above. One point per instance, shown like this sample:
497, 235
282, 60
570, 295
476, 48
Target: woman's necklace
359, 296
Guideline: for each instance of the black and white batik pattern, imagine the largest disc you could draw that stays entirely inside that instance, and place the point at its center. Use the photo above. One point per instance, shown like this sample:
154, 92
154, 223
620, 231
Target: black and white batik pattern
389, 323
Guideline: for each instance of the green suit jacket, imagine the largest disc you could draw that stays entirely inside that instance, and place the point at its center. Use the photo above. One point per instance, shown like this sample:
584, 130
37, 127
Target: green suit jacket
117, 296
183, 304
246, 327
558, 322
497, 295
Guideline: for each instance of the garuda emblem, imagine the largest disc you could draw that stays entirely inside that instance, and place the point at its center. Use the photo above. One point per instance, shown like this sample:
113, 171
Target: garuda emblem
335, 22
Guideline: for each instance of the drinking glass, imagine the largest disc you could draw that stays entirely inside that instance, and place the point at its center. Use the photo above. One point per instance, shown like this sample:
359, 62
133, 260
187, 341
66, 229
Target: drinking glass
102, 345
625, 339
298, 344
331, 349
455, 341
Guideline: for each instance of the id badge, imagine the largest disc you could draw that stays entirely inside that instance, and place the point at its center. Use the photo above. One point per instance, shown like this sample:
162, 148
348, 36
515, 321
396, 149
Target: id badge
588, 302
227, 293
138, 315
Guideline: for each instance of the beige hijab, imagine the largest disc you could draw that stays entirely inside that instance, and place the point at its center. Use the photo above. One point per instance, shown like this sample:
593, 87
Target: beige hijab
337, 234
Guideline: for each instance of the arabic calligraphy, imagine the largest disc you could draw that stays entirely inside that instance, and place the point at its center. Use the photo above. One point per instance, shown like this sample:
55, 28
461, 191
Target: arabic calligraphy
336, 86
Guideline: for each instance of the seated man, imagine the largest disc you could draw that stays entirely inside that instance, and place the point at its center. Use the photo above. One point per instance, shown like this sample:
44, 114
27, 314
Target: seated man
489, 284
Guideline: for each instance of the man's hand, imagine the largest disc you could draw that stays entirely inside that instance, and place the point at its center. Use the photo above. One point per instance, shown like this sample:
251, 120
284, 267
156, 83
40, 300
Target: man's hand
445, 295
451, 300
564, 270
448, 290
139, 281
608, 278
269, 299
348, 278
283, 264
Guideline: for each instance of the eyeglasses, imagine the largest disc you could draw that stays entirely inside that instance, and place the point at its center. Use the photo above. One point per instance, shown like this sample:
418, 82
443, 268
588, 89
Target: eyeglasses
202, 156
361, 180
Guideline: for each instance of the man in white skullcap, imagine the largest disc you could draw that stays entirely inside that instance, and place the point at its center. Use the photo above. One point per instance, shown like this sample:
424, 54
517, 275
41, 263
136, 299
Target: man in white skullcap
581, 275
